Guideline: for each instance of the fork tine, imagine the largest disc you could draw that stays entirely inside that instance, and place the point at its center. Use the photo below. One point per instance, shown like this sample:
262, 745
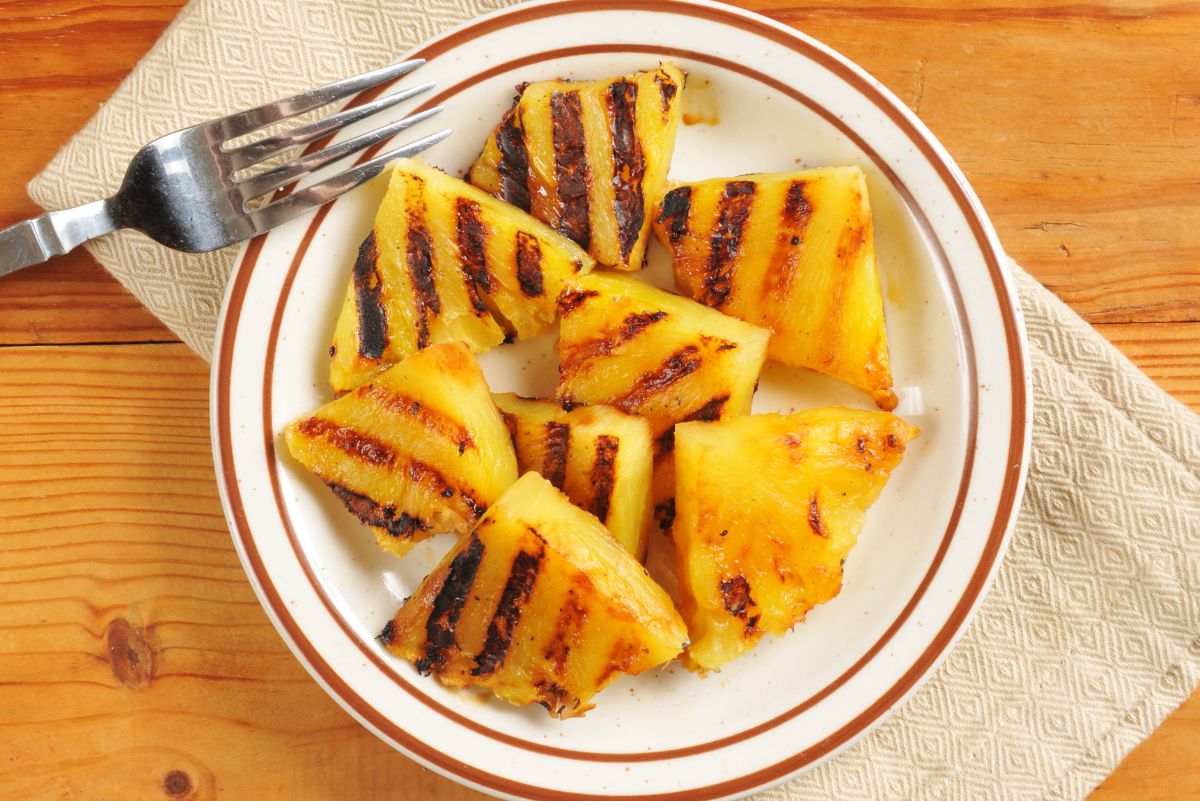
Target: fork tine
251, 154
273, 179
322, 192
243, 122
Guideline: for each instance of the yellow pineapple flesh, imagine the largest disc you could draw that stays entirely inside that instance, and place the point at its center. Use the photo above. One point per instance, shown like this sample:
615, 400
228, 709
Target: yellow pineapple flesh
599, 456
650, 352
446, 262
419, 451
538, 604
792, 252
588, 157
767, 509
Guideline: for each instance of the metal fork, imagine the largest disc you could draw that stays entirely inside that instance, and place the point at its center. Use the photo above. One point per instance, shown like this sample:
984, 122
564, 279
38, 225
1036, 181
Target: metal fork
188, 190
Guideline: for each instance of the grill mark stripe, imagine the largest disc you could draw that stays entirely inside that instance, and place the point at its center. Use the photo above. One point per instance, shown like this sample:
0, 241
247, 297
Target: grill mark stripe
737, 199
603, 476
514, 161
423, 472
360, 446
419, 254
633, 325
676, 206
397, 524
433, 419
368, 300
572, 299
471, 253
735, 594
790, 243
557, 437
515, 595
667, 89
567, 630
529, 265
448, 606
674, 368
707, 413
629, 164
814, 517
571, 171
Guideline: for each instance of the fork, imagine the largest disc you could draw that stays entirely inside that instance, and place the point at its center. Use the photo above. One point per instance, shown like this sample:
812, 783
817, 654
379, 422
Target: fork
189, 190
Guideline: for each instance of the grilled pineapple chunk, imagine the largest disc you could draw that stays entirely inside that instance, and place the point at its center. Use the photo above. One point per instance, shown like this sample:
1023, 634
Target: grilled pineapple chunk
588, 157
768, 507
539, 604
793, 252
627, 344
599, 456
419, 451
445, 262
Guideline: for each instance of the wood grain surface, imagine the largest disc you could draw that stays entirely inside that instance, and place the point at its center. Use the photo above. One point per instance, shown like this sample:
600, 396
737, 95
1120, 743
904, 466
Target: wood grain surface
135, 662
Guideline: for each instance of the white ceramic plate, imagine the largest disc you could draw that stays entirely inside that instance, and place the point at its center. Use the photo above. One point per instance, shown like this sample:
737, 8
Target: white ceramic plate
932, 542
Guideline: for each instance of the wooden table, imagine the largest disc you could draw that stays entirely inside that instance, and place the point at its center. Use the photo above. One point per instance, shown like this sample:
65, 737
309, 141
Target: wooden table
134, 660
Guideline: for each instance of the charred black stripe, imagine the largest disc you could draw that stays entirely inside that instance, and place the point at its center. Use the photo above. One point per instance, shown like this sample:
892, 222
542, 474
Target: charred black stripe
676, 207
399, 525
514, 161
508, 612
420, 265
781, 270
471, 253
425, 473
448, 606
368, 299
795, 205
571, 170
735, 593
554, 460
603, 476
666, 90
675, 367
361, 446
707, 413
572, 299
567, 629
814, 517
633, 324
726, 241
629, 164
529, 265
664, 514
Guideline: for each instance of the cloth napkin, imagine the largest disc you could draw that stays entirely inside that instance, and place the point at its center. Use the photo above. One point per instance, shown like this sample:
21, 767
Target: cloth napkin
1090, 635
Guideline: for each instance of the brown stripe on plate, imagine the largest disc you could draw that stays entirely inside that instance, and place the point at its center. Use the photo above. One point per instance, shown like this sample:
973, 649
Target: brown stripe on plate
603, 475
556, 438
513, 598
529, 265
514, 160
733, 211
571, 170
368, 301
629, 164
448, 606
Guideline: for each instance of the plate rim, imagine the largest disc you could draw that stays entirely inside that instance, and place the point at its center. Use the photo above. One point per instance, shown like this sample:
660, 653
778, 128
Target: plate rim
1016, 342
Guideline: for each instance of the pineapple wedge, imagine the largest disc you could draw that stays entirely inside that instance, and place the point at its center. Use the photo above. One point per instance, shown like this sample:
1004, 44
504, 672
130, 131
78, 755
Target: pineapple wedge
649, 352
419, 451
793, 252
538, 604
445, 262
588, 157
599, 456
768, 507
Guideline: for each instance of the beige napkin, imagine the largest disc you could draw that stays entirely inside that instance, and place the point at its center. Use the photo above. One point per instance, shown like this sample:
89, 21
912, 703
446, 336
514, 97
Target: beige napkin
1091, 634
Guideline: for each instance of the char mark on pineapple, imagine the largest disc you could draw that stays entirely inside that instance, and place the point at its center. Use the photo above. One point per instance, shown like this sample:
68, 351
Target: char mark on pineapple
796, 213
666, 90
733, 211
603, 475
529, 265
388, 633
398, 525
359, 446
664, 514
707, 413
629, 164
368, 300
430, 418
571, 170
572, 299
676, 206
621, 659
567, 630
427, 475
420, 265
735, 594
514, 161
589, 349
814, 517
557, 700
674, 368
554, 459
470, 234
513, 598
448, 606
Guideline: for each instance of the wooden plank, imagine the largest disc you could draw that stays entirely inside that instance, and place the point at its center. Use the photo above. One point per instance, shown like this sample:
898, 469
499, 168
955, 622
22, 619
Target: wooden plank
134, 656
1164, 767
1167, 352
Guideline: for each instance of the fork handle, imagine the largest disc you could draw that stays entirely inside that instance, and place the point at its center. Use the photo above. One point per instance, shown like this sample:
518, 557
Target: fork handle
53, 234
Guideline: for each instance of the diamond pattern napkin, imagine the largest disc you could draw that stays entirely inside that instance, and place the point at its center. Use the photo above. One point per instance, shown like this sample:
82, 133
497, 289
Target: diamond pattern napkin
1091, 634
